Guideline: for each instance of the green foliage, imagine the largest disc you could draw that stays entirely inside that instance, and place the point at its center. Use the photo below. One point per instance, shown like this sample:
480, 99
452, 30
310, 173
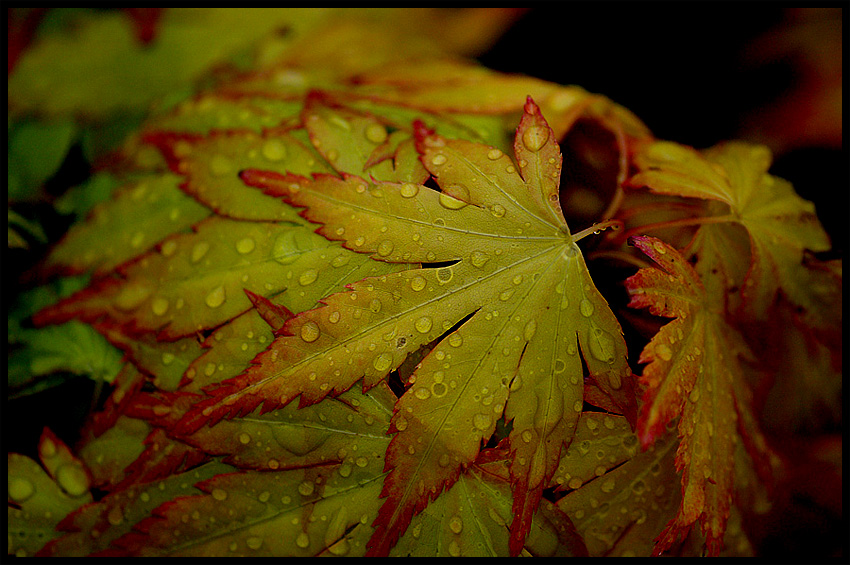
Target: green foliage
340, 309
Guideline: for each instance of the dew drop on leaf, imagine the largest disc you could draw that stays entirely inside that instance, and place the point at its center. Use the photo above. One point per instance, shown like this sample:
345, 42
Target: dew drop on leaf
438, 159
423, 324
376, 133
451, 202
159, 306
245, 245
308, 277
385, 248
586, 308
417, 283
219, 494
663, 351
529, 330
274, 150
199, 250
481, 421
498, 210
409, 190
216, 297
494, 154
456, 524
382, 362
444, 274
422, 393
20, 489
310, 331
303, 540
455, 340
535, 137
479, 258
333, 317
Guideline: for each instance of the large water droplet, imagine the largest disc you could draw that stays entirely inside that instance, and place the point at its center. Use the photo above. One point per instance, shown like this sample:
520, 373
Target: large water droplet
423, 324
417, 283
385, 248
199, 250
535, 137
159, 306
529, 330
450, 202
310, 331
216, 297
479, 258
494, 154
498, 210
376, 133
586, 308
409, 190
219, 494
422, 393
444, 275
308, 277
455, 340
382, 362
456, 524
481, 421
303, 540
245, 245
274, 150
20, 489
438, 159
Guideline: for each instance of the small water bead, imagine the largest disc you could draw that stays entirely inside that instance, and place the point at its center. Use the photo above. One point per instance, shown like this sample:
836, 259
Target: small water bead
422, 393
310, 331
308, 277
481, 421
527, 436
409, 190
451, 202
382, 362
376, 133
199, 250
444, 275
510, 169
529, 330
254, 542
455, 340
454, 549
456, 524
244, 438
333, 317
20, 489
245, 245
216, 297
535, 137
423, 324
306, 488
375, 305
219, 494
303, 540
438, 159
385, 248
479, 258
494, 154
159, 306
274, 150
663, 352
659, 247
586, 308
439, 389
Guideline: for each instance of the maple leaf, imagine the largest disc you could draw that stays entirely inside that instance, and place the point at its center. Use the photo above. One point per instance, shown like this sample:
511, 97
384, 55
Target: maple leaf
618, 496
515, 285
41, 496
780, 224
693, 371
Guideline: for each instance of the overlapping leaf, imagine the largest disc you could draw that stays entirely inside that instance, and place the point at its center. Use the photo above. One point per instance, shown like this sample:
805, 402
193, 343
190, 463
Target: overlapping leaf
781, 225
694, 371
618, 497
513, 268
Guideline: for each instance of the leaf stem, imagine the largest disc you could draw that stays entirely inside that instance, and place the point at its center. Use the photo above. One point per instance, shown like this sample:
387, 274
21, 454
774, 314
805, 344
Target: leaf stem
596, 228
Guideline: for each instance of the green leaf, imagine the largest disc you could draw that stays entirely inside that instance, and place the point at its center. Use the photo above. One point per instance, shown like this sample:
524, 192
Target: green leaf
36, 151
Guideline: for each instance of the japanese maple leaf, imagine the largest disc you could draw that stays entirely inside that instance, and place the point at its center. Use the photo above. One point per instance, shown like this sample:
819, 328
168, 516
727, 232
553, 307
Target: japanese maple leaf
503, 286
780, 224
694, 372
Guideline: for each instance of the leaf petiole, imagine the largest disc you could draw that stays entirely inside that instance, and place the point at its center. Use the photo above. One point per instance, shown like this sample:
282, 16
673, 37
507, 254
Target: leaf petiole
596, 228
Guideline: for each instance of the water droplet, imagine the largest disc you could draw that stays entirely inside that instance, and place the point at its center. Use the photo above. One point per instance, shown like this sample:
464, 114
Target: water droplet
494, 154
529, 330
574, 483
481, 421
199, 250
219, 494
444, 275
498, 210
310, 331
274, 150
382, 362
439, 389
479, 258
159, 306
663, 352
303, 540
20, 489
137, 240
451, 202
385, 248
423, 324
506, 295
216, 297
455, 340
333, 317
659, 247
608, 485
375, 305
456, 524
332, 155
306, 488
308, 277
694, 396
422, 393
586, 308
527, 436
360, 241
535, 137
115, 516
245, 245
438, 159
409, 190
454, 549
577, 405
